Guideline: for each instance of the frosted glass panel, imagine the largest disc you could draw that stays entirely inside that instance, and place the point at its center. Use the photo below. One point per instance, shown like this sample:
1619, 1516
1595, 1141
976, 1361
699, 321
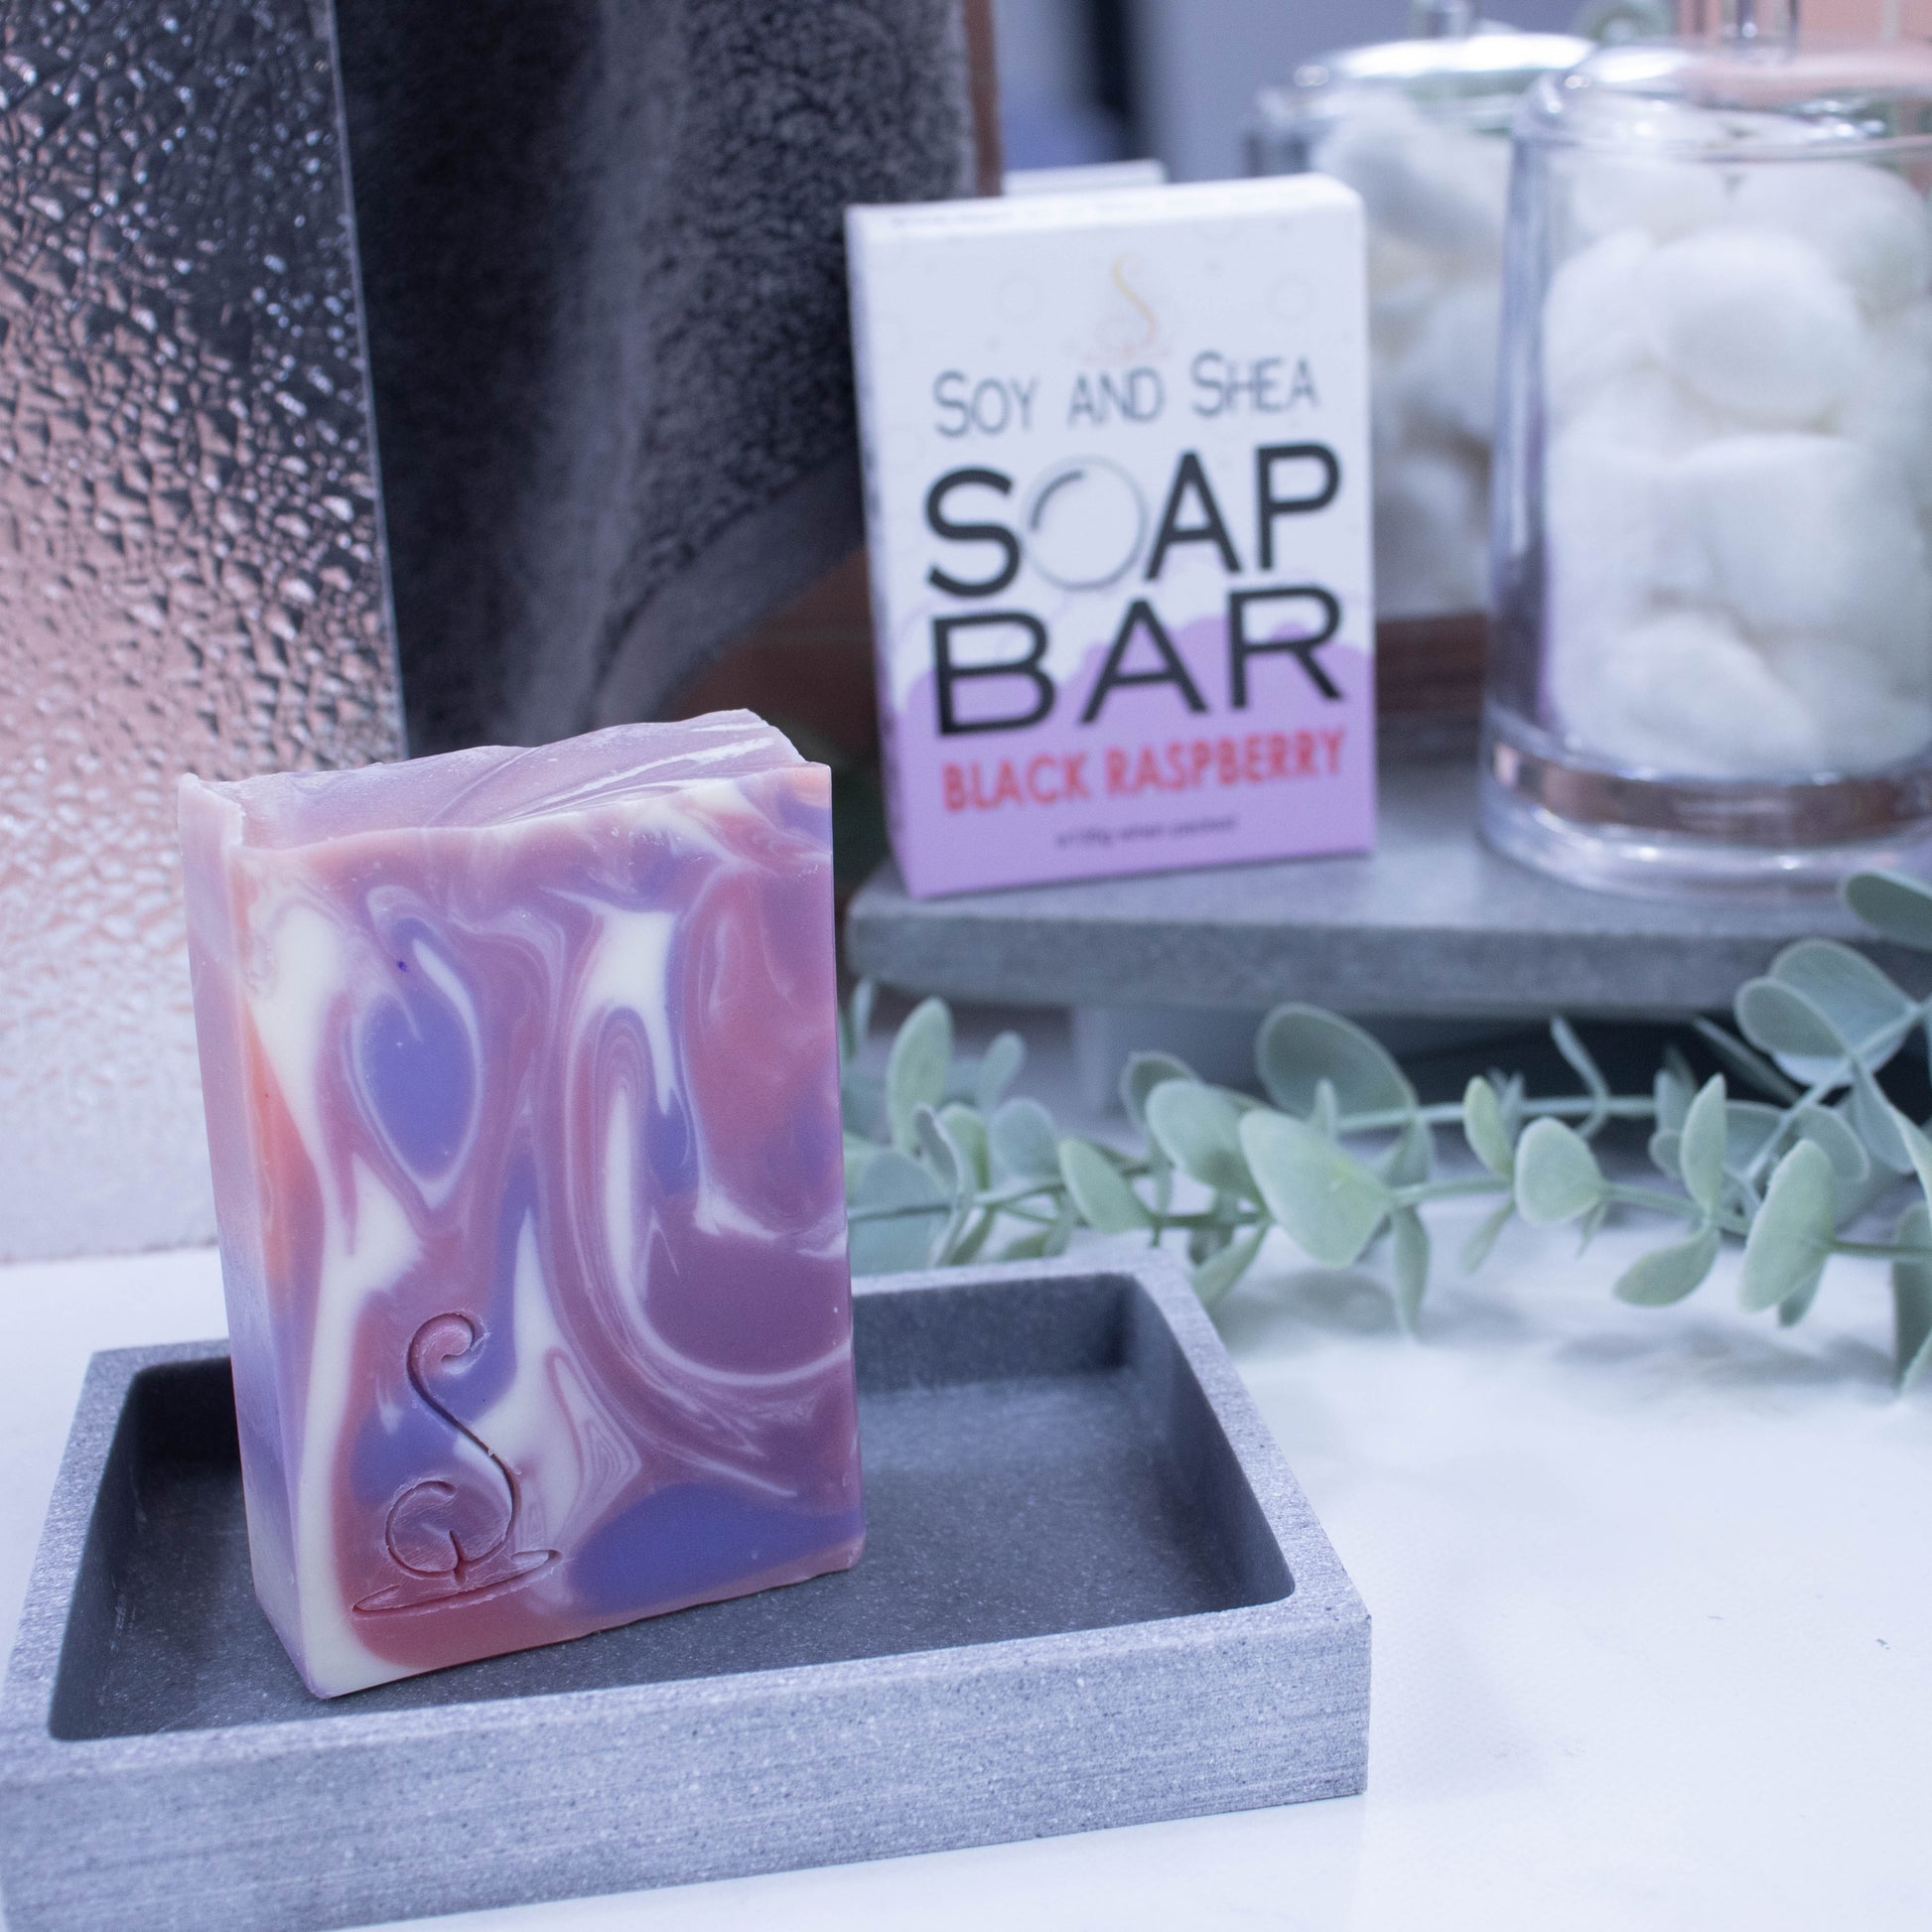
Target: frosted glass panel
190, 566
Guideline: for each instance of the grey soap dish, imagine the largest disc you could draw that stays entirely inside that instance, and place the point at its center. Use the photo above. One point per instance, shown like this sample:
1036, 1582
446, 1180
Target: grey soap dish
1092, 1595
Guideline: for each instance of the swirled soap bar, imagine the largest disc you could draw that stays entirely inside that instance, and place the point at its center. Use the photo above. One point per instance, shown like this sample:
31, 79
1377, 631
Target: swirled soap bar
523, 1095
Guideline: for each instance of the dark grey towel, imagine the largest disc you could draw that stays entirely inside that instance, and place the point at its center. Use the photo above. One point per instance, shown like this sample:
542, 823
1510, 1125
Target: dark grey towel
604, 290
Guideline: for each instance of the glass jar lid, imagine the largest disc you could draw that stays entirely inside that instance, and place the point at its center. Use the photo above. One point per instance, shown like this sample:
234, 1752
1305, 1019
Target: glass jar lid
1453, 65
1490, 61
1750, 89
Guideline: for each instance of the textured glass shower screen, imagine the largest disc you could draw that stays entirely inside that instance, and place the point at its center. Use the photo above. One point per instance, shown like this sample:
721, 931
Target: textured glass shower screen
191, 567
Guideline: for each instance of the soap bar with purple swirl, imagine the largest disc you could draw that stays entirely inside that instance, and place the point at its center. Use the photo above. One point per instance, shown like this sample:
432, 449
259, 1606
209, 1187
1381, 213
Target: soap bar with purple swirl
523, 1093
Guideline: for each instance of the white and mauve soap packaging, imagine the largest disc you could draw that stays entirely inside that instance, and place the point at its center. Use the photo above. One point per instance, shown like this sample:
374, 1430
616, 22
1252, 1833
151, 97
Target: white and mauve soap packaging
1116, 494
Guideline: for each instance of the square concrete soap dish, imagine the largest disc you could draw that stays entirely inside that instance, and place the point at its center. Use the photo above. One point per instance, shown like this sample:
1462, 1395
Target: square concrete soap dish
1092, 1595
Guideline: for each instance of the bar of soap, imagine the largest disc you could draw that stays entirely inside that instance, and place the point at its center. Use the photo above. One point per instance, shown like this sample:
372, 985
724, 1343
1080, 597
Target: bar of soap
521, 1083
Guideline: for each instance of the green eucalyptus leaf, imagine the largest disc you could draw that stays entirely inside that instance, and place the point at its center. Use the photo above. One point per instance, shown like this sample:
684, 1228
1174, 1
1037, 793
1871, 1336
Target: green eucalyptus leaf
1672, 1095
1326, 1115
973, 1241
855, 1022
1511, 1097
1160, 1174
1749, 1127
1411, 1263
1099, 1191
916, 1068
1701, 1152
1142, 1075
1060, 1235
899, 1213
1918, 1150
1794, 1308
860, 1152
1482, 1127
968, 1130
1329, 1203
1666, 1151
1220, 1272
1853, 1202
1199, 1129
1557, 1175
1842, 1147
1299, 1047
862, 1104
1752, 1068
952, 1168
1791, 1237
1911, 1299
1787, 1024
1204, 1242
1861, 1004
1893, 904
942, 1154
1482, 1243
1667, 1274
1025, 1143
1586, 1070
1410, 1159
1591, 1225
1877, 1123
998, 1067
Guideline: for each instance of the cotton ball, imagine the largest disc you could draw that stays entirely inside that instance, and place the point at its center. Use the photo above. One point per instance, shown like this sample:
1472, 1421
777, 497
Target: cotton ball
1864, 719
1756, 321
1400, 298
1448, 377
1431, 522
1682, 693
1479, 167
1648, 411
1871, 225
1813, 533
1395, 266
1890, 410
1591, 331
1662, 198
1615, 535
1413, 182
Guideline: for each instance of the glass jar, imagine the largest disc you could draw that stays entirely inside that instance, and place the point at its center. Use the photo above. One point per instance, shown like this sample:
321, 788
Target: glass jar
1711, 653
1420, 128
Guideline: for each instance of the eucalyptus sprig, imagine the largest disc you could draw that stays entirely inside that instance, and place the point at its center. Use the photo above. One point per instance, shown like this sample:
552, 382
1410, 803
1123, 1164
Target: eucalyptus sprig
943, 1166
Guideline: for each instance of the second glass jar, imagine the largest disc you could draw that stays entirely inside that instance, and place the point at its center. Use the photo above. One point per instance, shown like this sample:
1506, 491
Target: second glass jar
1712, 660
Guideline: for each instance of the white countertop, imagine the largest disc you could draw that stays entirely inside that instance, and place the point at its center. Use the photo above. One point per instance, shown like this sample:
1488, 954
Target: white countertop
1652, 1596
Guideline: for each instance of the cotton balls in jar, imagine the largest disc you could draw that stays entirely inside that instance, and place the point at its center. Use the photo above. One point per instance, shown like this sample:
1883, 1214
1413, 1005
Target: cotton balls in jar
1435, 197
1738, 476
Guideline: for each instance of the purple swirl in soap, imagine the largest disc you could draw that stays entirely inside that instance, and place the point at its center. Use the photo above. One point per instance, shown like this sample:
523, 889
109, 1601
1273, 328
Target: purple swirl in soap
523, 1096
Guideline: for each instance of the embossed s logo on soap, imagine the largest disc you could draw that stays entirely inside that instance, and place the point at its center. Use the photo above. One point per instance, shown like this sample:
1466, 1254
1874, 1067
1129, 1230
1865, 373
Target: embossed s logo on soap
452, 1544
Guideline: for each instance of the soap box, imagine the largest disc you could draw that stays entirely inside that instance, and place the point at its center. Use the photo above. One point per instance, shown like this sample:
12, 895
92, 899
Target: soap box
1116, 494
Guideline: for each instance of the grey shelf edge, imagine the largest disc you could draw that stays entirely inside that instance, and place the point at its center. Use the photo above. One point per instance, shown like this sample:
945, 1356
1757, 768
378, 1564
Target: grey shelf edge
1432, 924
